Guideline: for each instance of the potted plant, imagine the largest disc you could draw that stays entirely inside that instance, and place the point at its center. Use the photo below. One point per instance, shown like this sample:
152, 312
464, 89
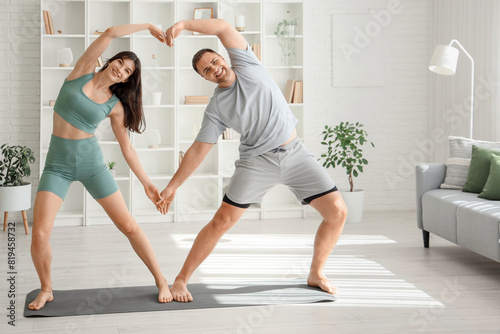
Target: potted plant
15, 194
285, 33
111, 166
344, 143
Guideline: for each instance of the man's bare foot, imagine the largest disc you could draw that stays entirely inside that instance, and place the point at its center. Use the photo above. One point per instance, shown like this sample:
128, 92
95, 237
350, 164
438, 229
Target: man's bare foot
322, 282
164, 294
180, 292
42, 298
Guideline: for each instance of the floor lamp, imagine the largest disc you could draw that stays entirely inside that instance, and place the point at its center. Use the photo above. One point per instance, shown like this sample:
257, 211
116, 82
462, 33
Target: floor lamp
444, 61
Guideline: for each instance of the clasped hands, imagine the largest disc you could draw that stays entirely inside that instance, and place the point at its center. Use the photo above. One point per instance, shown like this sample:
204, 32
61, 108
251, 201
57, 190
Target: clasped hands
162, 200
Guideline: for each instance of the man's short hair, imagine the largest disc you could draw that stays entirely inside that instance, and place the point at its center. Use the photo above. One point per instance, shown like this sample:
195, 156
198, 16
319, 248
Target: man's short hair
198, 55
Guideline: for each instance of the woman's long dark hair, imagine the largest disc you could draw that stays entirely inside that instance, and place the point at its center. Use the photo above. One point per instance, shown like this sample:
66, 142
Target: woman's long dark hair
130, 93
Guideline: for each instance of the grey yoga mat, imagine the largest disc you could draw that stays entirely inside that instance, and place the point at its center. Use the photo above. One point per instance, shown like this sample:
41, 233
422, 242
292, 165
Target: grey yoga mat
144, 298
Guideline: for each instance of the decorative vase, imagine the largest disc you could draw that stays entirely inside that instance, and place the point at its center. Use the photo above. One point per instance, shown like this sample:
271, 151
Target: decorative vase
156, 98
154, 138
113, 172
240, 22
354, 201
65, 57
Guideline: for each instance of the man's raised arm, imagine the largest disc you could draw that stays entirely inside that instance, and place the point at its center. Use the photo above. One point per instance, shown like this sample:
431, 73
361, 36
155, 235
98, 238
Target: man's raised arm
228, 36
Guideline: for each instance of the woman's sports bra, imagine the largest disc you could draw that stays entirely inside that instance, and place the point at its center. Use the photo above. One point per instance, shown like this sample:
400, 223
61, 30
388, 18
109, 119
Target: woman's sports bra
78, 109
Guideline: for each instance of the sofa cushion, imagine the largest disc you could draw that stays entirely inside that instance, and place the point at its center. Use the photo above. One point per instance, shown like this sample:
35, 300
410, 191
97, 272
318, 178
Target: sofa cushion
479, 169
439, 211
459, 156
478, 224
491, 189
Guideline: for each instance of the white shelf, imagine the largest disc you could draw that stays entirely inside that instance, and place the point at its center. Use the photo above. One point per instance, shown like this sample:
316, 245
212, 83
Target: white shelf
69, 214
274, 36
64, 36
157, 149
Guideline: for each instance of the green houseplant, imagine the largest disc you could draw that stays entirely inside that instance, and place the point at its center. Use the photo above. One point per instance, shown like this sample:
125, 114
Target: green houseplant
111, 166
344, 149
285, 33
15, 194
15, 164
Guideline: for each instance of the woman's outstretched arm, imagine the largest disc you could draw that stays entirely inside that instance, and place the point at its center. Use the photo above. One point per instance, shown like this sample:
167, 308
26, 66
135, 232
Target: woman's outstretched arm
117, 117
86, 63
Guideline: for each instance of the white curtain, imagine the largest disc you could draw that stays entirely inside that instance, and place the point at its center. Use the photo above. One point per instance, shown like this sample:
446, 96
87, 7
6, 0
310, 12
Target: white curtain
476, 25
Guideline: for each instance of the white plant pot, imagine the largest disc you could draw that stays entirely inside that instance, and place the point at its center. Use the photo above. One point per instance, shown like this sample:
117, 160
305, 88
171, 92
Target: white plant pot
15, 198
113, 172
354, 201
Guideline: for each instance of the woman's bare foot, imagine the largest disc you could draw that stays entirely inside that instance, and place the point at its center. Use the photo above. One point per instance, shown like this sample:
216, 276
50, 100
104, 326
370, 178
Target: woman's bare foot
164, 294
180, 291
42, 298
321, 282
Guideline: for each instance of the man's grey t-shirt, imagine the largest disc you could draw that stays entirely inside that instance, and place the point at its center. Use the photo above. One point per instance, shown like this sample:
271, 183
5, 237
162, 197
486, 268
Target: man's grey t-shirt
253, 106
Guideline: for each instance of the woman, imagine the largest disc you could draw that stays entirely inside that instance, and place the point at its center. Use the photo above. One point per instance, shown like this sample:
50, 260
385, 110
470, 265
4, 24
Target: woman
85, 99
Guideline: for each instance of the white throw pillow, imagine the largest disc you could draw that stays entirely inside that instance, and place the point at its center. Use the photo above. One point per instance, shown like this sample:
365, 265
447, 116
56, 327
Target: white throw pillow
459, 155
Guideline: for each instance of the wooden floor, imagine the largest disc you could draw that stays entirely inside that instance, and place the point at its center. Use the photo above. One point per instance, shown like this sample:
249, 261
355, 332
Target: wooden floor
388, 282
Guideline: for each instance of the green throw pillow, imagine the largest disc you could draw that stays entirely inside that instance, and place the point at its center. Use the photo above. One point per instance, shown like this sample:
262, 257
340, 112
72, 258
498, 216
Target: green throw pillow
479, 169
492, 187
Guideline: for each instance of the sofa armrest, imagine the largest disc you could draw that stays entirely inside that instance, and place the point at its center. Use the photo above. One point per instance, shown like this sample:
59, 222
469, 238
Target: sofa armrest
428, 176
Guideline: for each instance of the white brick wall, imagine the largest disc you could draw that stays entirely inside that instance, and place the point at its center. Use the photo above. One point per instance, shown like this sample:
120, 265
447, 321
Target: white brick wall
20, 80
395, 115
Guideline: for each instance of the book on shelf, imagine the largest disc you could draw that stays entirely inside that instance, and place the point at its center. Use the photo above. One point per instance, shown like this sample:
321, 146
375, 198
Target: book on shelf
256, 50
196, 99
51, 24
227, 134
47, 20
290, 85
297, 92
98, 31
100, 62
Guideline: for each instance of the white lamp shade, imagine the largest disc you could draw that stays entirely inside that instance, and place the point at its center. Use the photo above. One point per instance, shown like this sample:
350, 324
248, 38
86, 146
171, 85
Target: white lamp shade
444, 60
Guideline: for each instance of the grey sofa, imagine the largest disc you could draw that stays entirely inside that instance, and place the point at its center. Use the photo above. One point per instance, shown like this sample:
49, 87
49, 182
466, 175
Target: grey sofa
460, 217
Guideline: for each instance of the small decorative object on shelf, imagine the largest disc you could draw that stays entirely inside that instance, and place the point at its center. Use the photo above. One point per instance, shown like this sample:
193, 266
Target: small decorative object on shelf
156, 98
285, 32
65, 57
155, 60
52, 103
154, 138
202, 13
98, 31
111, 166
240, 22
181, 156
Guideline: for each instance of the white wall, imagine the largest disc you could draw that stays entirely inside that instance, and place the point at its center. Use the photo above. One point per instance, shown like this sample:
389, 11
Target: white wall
20, 80
395, 115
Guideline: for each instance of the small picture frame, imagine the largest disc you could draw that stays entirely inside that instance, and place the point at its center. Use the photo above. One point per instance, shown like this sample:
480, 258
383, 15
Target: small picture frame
202, 13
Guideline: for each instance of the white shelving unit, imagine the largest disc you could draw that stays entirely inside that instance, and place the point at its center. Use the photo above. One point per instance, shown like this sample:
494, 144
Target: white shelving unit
178, 124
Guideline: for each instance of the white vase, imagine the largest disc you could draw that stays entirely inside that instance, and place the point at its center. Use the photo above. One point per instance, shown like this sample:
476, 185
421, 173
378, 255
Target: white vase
354, 201
156, 98
65, 57
154, 138
113, 172
15, 198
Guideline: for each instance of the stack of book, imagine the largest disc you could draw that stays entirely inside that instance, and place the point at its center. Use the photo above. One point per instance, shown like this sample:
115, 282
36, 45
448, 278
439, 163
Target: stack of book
227, 134
256, 50
293, 91
49, 25
196, 99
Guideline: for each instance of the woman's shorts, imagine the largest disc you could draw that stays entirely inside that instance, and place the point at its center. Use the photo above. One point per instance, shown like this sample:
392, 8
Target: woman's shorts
81, 160
292, 165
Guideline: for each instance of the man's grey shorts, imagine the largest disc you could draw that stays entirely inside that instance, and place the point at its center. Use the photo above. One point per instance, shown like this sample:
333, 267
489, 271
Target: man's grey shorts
292, 165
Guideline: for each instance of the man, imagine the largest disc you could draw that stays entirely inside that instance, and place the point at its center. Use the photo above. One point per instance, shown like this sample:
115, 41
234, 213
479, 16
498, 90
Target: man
248, 100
